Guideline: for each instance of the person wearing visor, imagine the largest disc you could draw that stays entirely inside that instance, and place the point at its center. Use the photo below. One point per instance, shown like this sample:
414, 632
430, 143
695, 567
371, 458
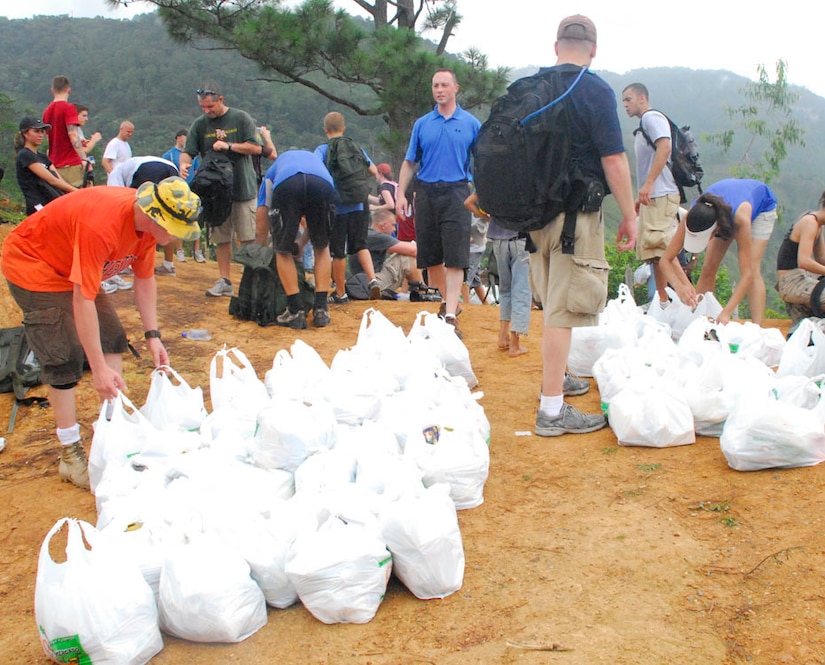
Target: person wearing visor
36, 176
55, 262
732, 209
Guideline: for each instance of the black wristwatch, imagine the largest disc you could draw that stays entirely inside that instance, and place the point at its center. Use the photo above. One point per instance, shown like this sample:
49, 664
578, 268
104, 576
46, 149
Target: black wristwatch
149, 334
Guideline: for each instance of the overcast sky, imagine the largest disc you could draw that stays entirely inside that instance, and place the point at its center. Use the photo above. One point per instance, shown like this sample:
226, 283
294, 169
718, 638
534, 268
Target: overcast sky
703, 34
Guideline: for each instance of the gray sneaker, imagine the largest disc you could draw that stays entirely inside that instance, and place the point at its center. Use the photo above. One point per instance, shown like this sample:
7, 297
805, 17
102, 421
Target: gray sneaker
320, 318
108, 286
375, 290
574, 385
569, 421
165, 271
121, 283
223, 287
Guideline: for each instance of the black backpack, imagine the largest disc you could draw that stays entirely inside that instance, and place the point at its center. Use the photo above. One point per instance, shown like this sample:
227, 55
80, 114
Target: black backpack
684, 156
19, 369
261, 297
522, 165
213, 183
349, 169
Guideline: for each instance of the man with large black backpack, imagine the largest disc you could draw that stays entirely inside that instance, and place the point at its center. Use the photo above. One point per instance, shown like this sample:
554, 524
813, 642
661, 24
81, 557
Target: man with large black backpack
573, 286
224, 132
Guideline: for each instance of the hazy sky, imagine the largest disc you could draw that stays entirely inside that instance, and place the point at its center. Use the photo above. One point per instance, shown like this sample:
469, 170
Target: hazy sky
703, 34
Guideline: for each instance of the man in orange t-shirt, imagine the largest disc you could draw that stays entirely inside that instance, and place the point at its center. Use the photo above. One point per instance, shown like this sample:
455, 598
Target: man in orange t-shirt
55, 261
65, 145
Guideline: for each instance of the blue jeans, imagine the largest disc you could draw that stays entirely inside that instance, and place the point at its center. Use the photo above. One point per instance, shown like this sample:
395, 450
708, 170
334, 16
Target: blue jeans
515, 295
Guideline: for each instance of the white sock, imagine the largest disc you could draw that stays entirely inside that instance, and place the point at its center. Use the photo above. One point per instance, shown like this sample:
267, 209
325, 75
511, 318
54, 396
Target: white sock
168, 264
69, 435
551, 405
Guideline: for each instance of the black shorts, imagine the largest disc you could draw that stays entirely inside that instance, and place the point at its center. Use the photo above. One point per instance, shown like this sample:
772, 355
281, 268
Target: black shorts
299, 196
349, 233
51, 333
442, 224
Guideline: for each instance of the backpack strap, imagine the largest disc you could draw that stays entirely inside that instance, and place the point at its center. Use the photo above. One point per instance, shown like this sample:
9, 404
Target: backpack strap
556, 100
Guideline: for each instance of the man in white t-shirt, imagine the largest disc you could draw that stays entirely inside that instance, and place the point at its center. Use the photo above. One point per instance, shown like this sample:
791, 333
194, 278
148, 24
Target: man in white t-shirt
118, 149
657, 201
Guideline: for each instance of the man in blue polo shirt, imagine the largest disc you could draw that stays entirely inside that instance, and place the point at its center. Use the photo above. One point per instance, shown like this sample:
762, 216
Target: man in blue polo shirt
440, 144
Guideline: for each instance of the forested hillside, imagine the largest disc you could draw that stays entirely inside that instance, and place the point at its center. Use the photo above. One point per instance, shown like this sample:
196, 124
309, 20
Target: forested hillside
130, 69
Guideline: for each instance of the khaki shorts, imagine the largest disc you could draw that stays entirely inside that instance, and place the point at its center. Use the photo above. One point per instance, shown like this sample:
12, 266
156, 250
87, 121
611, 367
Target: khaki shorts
241, 222
52, 335
795, 287
396, 267
656, 224
72, 174
572, 287
762, 226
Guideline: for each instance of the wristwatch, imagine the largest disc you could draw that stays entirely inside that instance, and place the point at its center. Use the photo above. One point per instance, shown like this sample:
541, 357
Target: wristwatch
149, 334
228, 146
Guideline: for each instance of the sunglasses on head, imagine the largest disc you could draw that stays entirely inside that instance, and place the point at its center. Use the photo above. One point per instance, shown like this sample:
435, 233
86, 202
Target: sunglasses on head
205, 91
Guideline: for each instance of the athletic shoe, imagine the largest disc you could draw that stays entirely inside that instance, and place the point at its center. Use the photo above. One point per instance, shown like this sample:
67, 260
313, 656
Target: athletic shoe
335, 299
573, 385
108, 286
320, 318
127, 271
165, 271
121, 283
74, 465
199, 257
296, 320
222, 287
569, 421
180, 257
452, 321
442, 311
375, 290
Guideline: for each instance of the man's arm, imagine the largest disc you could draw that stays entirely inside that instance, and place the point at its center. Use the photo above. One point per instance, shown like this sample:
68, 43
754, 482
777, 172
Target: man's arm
185, 164
617, 172
146, 297
404, 179
77, 143
659, 162
106, 380
404, 248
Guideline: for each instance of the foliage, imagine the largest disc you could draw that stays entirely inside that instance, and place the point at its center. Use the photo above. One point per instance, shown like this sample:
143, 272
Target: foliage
765, 119
385, 66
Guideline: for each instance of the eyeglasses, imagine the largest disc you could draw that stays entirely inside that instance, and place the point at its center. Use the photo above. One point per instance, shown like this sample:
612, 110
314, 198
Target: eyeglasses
205, 91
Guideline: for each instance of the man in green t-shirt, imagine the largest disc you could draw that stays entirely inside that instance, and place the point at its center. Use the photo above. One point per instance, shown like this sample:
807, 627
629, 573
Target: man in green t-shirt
232, 131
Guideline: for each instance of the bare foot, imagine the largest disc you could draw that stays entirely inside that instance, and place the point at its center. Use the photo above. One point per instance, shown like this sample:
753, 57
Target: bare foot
517, 351
503, 344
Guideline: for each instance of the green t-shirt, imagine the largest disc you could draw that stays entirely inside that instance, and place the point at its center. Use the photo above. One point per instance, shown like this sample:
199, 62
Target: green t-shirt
234, 126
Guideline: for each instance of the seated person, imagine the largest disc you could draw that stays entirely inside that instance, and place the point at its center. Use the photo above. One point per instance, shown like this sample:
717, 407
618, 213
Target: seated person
800, 265
394, 259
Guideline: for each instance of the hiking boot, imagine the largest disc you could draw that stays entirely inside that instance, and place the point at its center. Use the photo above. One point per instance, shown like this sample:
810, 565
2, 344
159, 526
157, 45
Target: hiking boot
442, 311
320, 318
180, 257
199, 257
222, 287
74, 465
569, 421
121, 283
335, 299
574, 385
375, 290
108, 286
452, 321
296, 320
165, 271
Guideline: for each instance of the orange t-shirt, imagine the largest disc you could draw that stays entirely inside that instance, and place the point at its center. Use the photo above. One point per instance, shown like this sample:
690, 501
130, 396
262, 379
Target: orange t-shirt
80, 238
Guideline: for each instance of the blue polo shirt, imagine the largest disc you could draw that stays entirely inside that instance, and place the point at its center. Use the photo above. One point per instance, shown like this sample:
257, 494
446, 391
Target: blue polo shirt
441, 146
288, 164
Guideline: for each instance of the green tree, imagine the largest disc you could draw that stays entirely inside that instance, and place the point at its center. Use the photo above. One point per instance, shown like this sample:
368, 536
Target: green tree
386, 64
766, 123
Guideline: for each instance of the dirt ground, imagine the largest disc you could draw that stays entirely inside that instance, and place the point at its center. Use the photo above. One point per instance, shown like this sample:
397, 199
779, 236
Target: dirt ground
582, 552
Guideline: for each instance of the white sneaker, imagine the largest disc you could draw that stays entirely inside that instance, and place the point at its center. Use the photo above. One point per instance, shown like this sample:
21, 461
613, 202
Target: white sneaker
121, 283
221, 288
108, 286
180, 257
199, 258
164, 270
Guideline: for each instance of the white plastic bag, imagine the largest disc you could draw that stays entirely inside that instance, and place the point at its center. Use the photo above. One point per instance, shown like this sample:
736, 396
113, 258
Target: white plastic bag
440, 337
423, 535
804, 353
172, 403
296, 374
93, 608
206, 593
116, 438
233, 382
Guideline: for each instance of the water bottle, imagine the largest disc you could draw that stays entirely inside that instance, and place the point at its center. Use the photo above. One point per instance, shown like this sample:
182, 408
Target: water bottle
198, 334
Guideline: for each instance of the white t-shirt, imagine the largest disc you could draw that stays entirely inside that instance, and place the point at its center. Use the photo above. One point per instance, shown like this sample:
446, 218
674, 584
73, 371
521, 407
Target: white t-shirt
656, 126
118, 151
